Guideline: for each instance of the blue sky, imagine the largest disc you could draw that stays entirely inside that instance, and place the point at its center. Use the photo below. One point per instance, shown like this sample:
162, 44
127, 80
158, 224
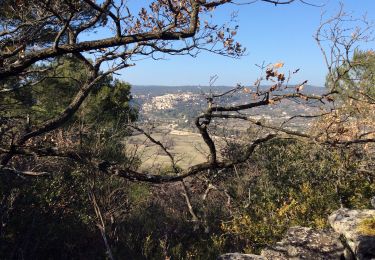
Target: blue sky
270, 33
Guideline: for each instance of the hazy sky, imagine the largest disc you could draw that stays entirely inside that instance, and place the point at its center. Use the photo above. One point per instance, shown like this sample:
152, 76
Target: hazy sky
270, 33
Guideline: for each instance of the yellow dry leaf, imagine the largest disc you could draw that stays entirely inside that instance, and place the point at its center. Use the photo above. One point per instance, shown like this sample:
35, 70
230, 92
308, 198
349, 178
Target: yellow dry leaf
278, 65
246, 90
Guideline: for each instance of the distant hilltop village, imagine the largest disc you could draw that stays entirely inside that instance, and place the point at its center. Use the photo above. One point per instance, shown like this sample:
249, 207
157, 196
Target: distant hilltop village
168, 101
180, 105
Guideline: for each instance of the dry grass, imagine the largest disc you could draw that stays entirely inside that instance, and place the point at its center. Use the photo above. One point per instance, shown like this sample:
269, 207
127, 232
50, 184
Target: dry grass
187, 148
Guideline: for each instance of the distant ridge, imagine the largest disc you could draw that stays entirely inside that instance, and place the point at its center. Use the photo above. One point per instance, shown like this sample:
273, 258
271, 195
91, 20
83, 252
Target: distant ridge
161, 90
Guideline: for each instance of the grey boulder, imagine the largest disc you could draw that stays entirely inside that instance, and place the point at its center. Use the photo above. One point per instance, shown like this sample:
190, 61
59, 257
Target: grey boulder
346, 222
306, 243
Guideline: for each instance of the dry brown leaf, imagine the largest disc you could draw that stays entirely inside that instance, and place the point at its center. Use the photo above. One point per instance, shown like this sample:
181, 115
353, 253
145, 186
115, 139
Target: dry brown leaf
281, 77
278, 65
274, 87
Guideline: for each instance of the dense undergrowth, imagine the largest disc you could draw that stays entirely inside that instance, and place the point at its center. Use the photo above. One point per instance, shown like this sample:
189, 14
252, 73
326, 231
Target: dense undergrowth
286, 183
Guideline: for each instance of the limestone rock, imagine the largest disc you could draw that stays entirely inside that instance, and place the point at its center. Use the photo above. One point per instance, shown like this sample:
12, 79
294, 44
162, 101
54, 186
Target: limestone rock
238, 256
306, 243
345, 222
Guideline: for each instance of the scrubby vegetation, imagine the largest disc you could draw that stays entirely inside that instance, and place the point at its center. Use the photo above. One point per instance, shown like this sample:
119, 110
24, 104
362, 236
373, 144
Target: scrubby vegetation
69, 188
287, 183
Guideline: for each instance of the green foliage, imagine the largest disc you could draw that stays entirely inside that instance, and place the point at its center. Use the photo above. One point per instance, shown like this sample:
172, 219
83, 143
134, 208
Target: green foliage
286, 183
154, 230
54, 217
56, 91
110, 103
355, 78
297, 184
105, 114
49, 217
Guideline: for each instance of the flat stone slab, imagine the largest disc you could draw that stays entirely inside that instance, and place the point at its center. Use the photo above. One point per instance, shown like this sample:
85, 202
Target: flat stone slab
306, 243
346, 222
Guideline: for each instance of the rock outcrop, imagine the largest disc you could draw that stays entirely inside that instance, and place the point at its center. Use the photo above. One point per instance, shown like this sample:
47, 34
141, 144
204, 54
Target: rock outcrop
306, 243
346, 222
344, 241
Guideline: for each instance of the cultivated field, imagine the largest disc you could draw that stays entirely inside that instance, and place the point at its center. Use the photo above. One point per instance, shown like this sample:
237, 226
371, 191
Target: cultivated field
188, 148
